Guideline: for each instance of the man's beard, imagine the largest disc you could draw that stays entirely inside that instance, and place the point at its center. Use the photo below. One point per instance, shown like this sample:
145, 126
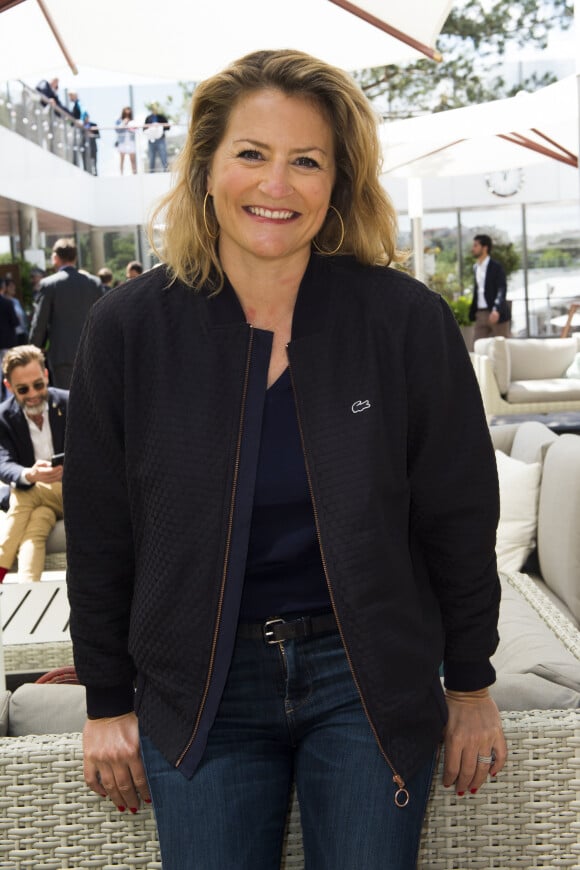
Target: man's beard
35, 410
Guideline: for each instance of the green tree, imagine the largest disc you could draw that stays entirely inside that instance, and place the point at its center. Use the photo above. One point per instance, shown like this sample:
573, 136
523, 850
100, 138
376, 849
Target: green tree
473, 41
119, 250
553, 257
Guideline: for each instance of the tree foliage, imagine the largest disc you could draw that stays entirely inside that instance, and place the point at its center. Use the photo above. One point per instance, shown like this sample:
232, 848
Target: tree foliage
473, 43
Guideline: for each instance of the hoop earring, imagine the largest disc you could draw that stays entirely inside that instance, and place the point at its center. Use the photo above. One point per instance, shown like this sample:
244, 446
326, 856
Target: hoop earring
339, 246
213, 236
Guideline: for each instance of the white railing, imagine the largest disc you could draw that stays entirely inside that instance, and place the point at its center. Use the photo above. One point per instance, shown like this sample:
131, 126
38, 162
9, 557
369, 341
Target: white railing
29, 114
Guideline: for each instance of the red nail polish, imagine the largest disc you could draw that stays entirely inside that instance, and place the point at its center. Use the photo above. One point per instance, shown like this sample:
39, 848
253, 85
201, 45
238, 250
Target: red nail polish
147, 800
473, 791
121, 809
133, 810
460, 793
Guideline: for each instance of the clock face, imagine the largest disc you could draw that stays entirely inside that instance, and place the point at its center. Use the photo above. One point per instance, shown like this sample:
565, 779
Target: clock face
507, 182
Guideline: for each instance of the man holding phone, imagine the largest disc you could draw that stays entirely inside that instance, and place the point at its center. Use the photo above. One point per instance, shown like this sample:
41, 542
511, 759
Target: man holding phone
32, 428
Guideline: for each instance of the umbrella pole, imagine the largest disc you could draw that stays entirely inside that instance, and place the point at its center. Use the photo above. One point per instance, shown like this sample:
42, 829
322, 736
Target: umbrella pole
388, 28
58, 37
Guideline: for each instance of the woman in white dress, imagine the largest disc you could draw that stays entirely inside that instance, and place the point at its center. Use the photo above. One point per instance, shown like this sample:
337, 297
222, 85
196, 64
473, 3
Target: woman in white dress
126, 138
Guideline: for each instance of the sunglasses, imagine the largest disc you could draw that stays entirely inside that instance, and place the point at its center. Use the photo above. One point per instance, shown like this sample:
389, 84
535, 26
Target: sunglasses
37, 386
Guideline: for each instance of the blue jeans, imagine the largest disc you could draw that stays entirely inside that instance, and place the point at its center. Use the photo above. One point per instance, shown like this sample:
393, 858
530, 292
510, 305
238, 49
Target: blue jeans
158, 148
289, 711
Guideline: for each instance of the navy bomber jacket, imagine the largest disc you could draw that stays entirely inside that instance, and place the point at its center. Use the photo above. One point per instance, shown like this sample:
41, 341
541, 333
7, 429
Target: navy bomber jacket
161, 452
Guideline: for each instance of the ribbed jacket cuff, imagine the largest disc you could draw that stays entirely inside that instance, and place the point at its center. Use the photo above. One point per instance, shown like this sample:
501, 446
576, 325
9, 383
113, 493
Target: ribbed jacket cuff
109, 701
468, 676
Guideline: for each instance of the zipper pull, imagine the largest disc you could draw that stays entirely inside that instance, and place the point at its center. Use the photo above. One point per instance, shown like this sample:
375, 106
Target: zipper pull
401, 795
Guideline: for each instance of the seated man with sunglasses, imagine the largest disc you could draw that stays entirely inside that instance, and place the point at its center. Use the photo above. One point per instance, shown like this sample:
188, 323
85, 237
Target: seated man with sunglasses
32, 426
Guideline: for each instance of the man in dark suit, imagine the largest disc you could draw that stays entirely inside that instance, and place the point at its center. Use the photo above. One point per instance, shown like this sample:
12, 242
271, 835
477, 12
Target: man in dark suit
32, 428
8, 327
489, 308
64, 301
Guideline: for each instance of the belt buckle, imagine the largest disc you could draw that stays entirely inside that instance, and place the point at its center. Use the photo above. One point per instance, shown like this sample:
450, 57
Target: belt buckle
268, 629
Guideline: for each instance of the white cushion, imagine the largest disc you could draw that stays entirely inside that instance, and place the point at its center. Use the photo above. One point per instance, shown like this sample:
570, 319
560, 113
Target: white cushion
519, 484
544, 390
540, 358
500, 360
531, 441
559, 521
573, 370
528, 646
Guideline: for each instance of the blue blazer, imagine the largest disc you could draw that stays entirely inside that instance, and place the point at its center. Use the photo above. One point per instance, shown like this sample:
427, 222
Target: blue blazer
16, 450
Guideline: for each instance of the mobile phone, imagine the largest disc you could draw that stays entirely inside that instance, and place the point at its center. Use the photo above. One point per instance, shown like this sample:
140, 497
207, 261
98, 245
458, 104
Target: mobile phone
57, 459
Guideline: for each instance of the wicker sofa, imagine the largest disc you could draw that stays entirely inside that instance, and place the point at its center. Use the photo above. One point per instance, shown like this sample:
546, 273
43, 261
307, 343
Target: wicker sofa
528, 818
528, 375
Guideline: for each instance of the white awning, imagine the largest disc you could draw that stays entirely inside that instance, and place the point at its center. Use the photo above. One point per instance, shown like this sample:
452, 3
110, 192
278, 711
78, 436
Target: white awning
501, 134
176, 40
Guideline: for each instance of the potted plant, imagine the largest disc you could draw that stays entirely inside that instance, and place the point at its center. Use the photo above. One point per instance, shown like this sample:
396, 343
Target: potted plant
460, 306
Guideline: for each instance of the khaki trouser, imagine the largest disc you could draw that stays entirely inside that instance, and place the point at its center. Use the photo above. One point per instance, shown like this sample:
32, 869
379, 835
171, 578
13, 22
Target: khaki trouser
485, 329
29, 521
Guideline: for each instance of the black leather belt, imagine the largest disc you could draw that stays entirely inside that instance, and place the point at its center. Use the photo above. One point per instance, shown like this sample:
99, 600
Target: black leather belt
277, 630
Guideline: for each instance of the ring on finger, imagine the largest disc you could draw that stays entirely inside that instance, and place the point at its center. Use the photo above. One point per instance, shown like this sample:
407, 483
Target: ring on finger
486, 759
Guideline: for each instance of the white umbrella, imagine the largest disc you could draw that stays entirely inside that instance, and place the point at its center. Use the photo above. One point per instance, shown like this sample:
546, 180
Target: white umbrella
189, 41
489, 136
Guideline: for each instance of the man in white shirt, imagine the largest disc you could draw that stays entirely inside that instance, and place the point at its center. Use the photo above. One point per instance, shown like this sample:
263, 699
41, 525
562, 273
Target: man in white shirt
32, 427
489, 308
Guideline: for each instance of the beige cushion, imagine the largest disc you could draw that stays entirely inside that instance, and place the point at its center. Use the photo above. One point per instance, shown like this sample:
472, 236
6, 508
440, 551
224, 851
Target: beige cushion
544, 390
531, 441
528, 646
540, 358
519, 484
531, 692
47, 708
558, 540
500, 360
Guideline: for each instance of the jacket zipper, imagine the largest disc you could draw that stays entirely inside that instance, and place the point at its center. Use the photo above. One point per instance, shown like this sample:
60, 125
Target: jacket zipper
402, 796
226, 556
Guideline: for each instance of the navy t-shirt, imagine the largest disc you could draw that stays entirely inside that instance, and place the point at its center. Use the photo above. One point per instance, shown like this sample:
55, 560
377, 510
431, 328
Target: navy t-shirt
284, 572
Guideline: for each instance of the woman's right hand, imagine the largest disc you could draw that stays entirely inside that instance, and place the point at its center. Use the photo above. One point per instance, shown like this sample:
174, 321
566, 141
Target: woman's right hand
113, 766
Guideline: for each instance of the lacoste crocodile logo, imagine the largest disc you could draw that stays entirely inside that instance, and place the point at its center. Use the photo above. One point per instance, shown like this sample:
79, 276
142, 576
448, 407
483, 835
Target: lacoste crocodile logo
359, 406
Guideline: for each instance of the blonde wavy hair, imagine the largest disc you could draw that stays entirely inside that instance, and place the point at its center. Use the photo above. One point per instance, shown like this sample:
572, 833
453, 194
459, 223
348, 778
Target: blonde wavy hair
189, 238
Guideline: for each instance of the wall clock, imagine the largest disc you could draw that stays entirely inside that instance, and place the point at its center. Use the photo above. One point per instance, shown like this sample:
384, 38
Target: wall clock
506, 182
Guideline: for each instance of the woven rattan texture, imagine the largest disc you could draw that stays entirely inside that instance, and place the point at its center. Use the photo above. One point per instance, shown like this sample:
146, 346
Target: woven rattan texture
529, 818
554, 618
49, 820
55, 562
27, 657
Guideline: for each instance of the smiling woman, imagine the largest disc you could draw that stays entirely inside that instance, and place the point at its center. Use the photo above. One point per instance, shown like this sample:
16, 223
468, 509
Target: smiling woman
271, 180
258, 533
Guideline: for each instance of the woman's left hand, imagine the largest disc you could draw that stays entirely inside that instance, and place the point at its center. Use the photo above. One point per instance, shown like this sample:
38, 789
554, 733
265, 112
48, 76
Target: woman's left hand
474, 742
